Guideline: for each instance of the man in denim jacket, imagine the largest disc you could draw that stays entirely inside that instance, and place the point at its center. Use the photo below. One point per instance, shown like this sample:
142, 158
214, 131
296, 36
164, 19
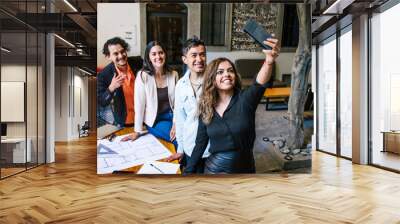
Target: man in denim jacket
187, 94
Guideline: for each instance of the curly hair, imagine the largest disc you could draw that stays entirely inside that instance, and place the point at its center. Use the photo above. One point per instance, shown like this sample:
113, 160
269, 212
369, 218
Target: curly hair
115, 41
209, 98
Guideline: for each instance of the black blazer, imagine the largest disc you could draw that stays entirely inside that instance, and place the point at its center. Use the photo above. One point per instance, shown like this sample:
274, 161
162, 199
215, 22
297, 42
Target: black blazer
104, 96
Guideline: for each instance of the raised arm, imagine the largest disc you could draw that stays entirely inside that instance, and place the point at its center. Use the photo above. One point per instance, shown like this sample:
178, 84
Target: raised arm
254, 93
265, 72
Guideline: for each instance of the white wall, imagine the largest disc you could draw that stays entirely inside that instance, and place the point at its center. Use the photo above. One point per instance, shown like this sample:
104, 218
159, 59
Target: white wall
33, 126
80, 83
118, 19
12, 73
68, 83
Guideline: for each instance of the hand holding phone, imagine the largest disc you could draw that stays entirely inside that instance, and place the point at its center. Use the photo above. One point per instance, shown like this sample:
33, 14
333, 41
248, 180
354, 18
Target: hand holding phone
257, 32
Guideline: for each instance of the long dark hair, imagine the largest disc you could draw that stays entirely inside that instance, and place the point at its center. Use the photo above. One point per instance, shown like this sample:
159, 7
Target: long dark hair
209, 97
147, 65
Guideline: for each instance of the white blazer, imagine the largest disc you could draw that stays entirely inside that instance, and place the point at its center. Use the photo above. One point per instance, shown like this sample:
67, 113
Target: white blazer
146, 101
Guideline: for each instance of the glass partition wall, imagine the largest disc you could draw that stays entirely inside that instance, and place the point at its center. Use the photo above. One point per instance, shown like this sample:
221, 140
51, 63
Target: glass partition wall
326, 60
334, 94
385, 89
22, 77
345, 65
334, 57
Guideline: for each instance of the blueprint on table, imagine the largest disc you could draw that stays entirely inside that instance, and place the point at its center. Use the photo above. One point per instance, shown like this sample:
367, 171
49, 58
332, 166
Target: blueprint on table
118, 155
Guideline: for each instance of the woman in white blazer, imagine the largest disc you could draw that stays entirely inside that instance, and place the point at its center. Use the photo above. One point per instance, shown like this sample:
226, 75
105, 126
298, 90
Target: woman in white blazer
154, 95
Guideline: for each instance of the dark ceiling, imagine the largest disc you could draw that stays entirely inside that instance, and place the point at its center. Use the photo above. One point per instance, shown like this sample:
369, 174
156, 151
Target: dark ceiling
77, 25
76, 22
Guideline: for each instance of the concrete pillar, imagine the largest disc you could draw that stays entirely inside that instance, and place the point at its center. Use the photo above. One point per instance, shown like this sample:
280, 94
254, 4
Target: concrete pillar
50, 99
360, 90
50, 92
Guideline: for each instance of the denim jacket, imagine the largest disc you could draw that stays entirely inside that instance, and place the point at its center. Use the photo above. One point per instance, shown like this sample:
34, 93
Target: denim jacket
186, 117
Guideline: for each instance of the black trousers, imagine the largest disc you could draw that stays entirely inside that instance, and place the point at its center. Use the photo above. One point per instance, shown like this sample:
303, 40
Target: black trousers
199, 165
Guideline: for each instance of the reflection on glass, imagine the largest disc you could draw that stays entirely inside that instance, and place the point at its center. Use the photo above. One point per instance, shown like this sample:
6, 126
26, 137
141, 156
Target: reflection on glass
346, 94
22, 90
13, 84
31, 97
327, 96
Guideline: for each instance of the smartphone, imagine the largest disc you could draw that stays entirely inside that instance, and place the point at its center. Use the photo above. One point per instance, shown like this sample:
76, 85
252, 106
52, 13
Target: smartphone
257, 32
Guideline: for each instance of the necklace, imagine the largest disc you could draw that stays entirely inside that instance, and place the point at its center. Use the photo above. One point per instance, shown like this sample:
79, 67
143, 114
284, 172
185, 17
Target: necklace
197, 83
196, 88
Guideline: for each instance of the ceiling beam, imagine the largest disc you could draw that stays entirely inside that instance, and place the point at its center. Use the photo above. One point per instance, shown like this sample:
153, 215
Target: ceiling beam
85, 25
83, 61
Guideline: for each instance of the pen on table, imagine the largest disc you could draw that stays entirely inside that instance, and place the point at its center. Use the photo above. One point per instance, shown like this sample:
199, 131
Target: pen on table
122, 171
156, 168
111, 138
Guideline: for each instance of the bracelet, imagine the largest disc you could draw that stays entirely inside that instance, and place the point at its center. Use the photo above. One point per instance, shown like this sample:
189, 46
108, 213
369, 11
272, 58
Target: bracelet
265, 62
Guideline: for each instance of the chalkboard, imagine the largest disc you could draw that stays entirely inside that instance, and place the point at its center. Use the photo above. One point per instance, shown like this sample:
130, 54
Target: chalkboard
265, 14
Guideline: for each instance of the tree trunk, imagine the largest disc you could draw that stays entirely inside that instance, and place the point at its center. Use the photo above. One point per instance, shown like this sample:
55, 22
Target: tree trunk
300, 73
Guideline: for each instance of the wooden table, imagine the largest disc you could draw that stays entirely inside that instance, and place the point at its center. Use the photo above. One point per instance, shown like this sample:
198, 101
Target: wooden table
168, 145
277, 93
391, 141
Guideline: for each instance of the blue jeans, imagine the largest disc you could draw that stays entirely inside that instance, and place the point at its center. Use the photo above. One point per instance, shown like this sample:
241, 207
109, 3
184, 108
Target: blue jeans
162, 127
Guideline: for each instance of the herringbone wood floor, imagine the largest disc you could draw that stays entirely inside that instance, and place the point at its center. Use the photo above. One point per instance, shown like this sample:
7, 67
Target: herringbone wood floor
69, 191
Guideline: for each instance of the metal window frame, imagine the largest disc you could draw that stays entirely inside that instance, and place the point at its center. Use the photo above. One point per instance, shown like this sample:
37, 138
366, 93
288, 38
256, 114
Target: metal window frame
338, 33
381, 9
44, 73
228, 31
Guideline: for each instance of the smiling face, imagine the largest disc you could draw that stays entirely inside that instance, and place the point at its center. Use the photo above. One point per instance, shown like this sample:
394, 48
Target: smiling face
225, 76
157, 57
118, 55
195, 59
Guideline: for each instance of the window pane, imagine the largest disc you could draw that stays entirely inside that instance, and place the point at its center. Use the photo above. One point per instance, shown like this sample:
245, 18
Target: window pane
31, 97
385, 88
14, 153
213, 24
327, 96
346, 94
290, 35
167, 23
